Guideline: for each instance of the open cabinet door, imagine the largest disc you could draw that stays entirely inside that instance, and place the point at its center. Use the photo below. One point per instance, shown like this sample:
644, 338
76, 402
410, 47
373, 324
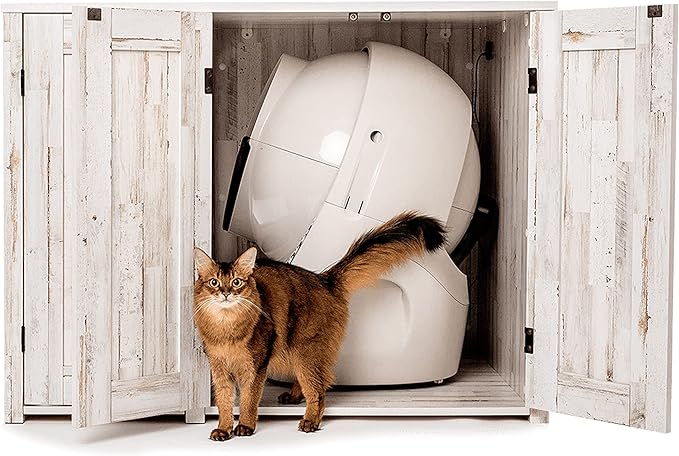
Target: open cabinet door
141, 149
601, 186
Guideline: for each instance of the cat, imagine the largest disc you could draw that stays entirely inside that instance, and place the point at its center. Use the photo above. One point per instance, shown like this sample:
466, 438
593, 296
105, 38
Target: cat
262, 315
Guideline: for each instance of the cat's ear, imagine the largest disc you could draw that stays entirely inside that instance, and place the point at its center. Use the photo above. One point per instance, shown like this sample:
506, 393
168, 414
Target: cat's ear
204, 264
246, 262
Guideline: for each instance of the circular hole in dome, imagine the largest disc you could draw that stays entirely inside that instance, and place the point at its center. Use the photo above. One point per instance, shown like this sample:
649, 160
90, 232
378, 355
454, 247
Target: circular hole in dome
376, 136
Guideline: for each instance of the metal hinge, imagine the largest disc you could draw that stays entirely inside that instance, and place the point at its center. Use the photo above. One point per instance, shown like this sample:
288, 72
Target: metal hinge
94, 14
528, 340
23, 83
532, 80
654, 11
23, 339
209, 80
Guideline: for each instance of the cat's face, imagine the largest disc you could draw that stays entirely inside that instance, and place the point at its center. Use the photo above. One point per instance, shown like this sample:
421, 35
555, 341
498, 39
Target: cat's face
224, 292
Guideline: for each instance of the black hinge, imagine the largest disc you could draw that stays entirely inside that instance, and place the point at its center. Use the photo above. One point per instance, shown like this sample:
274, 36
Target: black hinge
528, 341
655, 11
23, 83
23, 339
209, 80
532, 80
93, 14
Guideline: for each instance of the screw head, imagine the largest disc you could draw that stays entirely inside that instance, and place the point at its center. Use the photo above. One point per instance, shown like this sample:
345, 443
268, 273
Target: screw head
385, 17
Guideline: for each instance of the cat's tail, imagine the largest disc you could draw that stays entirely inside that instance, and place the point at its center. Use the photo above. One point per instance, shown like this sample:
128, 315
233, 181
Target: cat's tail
383, 248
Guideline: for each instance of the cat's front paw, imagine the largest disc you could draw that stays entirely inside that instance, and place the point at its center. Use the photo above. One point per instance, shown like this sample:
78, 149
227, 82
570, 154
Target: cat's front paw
243, 430
307, 426
220, 435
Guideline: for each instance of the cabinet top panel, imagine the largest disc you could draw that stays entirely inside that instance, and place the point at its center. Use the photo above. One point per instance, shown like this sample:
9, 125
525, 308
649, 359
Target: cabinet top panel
265, 7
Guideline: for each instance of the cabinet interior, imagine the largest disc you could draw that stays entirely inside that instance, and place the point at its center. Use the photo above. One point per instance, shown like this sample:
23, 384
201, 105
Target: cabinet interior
246, 49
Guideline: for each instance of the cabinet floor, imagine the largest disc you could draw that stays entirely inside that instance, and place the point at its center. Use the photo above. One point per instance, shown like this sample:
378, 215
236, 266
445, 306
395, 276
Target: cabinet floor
476, 390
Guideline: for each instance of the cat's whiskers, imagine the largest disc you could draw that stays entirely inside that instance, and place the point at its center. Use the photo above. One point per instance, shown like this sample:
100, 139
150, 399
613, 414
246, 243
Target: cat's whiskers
251, 305
201, 306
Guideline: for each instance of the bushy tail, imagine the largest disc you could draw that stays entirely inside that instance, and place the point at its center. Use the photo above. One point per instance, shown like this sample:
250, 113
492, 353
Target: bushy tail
383, 248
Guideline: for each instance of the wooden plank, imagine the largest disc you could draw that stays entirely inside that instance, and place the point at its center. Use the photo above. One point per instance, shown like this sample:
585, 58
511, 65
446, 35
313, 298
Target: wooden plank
545, 147
437, 44
225, 100
603, 320
610, 28
476, 390
43, 205
92, 156
596, 399
145, 24
413, 37
13, 162
196, 49
174, 214
320, 40
127, 171
343, 37
155, 223
70, 235
203, 122
461, 66
132, 44
653, 224
145, 396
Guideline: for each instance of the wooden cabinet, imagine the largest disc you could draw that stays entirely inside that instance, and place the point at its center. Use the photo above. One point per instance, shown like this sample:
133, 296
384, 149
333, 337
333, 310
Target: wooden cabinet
117, 162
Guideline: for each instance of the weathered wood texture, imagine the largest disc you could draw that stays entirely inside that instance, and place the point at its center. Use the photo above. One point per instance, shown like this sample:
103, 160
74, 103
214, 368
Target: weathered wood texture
69, 236
476, 390
153, 116
612, 29
196, 202
13, 163
498, 279
600, 243
43, 208
92, 256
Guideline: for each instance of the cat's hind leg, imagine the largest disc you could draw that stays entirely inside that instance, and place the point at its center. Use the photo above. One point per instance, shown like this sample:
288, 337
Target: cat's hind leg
314, 379
294, 396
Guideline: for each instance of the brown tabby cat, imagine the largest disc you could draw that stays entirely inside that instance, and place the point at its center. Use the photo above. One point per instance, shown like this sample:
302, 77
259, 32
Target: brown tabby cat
282, 318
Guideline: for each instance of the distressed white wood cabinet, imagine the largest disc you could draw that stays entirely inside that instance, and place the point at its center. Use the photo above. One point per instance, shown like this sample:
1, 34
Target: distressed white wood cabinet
121, 129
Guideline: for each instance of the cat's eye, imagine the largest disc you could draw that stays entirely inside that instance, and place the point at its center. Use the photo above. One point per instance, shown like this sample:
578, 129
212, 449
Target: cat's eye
237, 283
214, 283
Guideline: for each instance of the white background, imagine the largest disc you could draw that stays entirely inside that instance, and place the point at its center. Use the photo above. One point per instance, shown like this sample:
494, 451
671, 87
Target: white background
421, 436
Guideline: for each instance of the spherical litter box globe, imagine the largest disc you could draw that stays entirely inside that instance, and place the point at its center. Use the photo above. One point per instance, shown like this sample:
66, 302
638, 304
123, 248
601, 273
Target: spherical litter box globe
340, 145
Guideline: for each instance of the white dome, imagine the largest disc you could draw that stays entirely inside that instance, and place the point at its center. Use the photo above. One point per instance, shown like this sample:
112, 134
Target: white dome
375, 132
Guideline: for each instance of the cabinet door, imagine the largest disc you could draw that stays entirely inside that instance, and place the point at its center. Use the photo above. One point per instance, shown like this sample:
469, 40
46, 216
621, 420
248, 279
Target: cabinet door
141, 188
601, 186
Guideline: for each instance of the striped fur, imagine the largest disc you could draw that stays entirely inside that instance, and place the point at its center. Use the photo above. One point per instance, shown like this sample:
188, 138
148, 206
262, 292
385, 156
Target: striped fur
383, 248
